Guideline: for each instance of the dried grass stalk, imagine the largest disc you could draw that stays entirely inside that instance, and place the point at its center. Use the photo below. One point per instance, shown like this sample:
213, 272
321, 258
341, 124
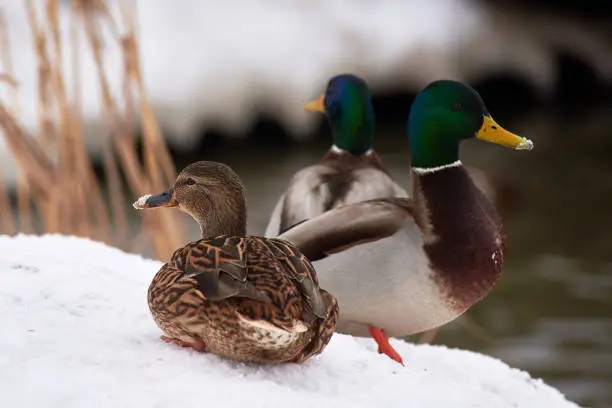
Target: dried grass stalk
113, 178
65, 191
7, 225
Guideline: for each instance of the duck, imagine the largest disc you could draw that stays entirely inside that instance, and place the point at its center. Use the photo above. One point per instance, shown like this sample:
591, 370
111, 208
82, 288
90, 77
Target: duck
247, 298
349, 171
400, 266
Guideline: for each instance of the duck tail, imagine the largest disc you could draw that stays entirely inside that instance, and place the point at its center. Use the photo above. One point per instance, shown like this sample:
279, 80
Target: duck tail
325, 328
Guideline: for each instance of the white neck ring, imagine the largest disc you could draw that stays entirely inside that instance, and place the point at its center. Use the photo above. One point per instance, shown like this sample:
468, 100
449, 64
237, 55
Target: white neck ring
429, 170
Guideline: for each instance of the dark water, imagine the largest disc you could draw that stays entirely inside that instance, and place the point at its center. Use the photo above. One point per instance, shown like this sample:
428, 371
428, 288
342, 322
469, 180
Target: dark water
551, 314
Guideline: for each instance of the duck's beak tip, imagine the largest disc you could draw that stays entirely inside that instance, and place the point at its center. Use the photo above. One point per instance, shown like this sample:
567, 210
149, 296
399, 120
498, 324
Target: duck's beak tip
141, 202
526, 145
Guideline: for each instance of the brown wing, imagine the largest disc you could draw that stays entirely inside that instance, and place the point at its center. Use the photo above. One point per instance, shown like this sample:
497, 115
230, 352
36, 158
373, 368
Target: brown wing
349, 225
319, 307
219, 267
275, 281
325, 329
300, 272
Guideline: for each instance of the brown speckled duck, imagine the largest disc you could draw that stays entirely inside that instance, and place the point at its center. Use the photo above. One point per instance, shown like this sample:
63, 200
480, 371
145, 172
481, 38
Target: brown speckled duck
247, 298
401, 266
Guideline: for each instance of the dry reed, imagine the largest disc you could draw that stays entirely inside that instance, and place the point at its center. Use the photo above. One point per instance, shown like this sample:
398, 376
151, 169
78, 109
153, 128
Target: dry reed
58, 190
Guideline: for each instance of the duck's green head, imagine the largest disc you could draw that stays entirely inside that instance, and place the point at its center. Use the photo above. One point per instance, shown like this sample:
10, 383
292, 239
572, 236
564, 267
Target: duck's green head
347, 103
447, 112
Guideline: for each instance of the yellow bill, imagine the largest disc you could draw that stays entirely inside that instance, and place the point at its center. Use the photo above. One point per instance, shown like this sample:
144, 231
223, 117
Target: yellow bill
318, 105
492, 132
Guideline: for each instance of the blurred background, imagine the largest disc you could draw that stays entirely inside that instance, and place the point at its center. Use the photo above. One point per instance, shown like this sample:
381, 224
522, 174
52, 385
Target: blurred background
102, 101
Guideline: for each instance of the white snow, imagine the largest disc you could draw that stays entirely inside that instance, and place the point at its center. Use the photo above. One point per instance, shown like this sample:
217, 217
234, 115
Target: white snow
76, 332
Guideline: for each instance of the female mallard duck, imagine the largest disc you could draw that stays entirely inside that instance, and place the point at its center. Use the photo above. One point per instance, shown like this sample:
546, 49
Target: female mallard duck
350, 171
243, 297
409, 265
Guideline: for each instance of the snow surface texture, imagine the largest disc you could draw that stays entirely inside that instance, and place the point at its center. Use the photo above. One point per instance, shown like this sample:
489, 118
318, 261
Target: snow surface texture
207, 62
76, 332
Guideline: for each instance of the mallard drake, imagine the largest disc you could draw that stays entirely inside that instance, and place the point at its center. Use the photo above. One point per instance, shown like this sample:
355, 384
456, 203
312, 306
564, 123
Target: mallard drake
247, 298
403, 266
350, 171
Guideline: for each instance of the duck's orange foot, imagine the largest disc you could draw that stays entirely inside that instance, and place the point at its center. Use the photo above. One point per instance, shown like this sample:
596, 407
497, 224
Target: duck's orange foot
196, 345
384, 347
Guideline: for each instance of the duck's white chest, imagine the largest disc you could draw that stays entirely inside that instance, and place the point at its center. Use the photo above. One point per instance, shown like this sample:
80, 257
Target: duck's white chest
387, 284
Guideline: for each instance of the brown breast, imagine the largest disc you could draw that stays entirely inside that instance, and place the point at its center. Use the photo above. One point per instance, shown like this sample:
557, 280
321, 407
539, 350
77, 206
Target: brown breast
465, 242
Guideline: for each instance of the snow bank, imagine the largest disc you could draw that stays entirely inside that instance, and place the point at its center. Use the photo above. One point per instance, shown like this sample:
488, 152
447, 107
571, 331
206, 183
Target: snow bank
76, 332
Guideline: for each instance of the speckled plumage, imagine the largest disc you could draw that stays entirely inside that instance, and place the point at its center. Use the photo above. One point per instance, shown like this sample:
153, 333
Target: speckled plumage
247, 298
272, 283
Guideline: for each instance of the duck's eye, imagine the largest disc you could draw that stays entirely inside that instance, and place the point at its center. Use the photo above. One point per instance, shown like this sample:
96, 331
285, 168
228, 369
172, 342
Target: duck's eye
457, 106
190, 182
